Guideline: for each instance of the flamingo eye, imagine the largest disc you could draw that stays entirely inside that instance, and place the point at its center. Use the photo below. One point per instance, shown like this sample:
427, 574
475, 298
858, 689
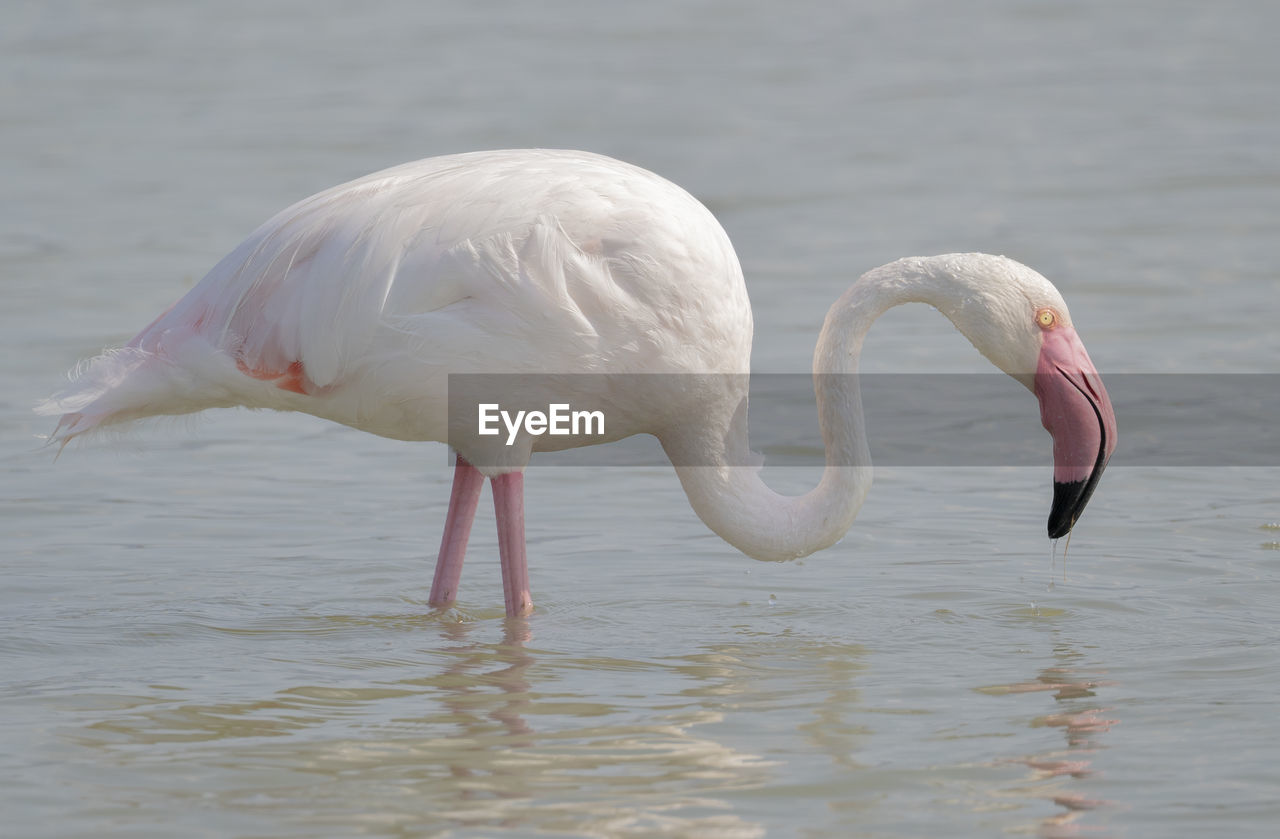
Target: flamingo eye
1047, 318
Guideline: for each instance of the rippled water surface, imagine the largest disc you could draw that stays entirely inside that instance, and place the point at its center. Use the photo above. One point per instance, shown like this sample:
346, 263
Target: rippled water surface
219, 628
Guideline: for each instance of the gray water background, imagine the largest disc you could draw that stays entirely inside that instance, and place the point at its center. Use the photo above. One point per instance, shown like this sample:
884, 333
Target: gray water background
220, 628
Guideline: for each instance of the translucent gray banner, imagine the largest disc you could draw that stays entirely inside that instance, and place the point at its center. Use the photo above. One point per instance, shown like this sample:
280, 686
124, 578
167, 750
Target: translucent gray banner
910, 419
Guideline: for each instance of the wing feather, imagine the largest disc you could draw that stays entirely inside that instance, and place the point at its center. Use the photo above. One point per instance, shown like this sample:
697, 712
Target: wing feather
374, 290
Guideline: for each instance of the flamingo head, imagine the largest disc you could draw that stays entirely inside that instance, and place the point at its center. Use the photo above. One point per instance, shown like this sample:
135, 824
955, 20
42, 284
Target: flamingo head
1075, 409
1020, 322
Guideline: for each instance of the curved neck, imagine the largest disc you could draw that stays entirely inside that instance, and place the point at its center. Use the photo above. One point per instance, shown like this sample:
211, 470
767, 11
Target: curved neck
729, 494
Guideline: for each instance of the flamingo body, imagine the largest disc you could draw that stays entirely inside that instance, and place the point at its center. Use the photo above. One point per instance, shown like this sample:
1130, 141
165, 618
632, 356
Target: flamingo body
357, 303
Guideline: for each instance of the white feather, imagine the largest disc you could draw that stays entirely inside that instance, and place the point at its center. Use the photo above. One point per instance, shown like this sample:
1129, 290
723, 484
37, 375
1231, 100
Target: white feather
375, 290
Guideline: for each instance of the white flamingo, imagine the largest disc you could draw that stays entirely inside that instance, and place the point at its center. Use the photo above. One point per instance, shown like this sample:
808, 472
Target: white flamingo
357, 303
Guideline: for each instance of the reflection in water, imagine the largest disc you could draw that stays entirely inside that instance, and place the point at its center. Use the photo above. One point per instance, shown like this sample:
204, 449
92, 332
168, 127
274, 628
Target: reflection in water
611, 779
468, 674
470, 734
1052, 772
467, 678
812, 684
450, 722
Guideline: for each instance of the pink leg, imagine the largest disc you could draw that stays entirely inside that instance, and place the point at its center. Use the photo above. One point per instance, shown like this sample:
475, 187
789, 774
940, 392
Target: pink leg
508, 503
467, 483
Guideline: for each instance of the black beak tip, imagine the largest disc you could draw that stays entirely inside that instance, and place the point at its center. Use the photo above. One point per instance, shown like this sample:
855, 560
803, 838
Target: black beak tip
1068, 502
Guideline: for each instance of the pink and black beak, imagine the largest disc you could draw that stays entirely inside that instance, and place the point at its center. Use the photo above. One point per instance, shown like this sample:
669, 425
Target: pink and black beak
1076, 410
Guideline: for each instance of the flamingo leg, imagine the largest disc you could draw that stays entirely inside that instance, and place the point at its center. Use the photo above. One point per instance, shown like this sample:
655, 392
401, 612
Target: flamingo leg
508, 504
463, 500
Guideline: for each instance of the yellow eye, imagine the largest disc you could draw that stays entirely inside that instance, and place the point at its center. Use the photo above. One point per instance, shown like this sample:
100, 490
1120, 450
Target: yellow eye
1047, 318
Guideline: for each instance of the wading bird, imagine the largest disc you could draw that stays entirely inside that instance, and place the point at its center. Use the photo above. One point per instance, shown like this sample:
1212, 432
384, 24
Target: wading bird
358, 303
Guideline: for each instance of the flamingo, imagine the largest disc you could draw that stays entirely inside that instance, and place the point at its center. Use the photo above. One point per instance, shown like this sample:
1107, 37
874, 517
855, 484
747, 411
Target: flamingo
358, 303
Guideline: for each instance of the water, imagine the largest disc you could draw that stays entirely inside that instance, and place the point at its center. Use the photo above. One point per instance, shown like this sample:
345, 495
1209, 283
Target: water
222, 630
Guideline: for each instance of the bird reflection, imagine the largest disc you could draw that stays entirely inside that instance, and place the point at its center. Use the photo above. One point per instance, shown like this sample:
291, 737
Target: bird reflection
473, 672
1081, 727
502, 773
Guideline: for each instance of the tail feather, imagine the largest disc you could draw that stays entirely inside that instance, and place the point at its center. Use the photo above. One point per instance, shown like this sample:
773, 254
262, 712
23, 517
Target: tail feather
130, 383
102, 392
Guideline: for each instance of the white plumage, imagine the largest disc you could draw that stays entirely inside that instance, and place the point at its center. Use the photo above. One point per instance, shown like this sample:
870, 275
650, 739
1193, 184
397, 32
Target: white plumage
362, 298
357, 303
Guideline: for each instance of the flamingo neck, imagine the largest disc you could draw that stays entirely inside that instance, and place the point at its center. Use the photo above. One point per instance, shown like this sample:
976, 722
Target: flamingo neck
725, 487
